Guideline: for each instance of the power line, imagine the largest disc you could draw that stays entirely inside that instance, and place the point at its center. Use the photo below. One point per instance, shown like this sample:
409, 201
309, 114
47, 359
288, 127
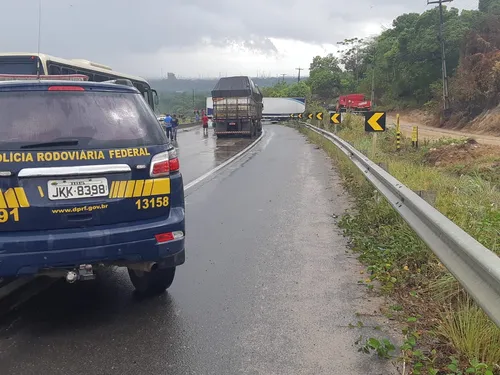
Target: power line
446, 103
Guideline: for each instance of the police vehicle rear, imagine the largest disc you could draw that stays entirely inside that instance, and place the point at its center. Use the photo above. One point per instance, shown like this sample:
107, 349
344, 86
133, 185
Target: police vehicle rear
88, 179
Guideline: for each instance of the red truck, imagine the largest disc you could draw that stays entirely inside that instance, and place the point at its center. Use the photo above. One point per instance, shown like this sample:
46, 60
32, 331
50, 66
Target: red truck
353, 103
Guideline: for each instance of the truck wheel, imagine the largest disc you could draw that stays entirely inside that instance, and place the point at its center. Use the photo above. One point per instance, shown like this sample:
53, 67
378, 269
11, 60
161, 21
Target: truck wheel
154, 282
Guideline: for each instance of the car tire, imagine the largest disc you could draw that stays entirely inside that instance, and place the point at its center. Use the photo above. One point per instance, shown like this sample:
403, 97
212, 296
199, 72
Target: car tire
153, 282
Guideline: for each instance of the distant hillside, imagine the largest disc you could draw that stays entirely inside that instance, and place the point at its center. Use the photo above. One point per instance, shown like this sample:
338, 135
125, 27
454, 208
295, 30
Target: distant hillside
206, 85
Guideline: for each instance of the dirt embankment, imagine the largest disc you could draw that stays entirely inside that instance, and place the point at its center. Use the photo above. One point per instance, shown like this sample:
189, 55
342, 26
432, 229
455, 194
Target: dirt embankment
469, 158
476, 130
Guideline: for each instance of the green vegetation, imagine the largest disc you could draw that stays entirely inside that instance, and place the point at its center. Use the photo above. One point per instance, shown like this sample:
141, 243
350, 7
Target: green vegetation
404, 64
284, 90
446, 332
183, 103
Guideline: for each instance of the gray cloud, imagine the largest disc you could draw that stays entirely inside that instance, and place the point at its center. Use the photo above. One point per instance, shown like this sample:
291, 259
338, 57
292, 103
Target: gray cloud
108, 30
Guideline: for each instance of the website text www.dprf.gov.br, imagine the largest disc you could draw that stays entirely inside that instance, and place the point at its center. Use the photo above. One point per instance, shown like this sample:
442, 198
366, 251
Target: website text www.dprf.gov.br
79, 209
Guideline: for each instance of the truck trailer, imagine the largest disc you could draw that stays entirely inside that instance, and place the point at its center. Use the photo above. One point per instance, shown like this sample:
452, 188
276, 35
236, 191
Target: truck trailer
274, 109
237, 107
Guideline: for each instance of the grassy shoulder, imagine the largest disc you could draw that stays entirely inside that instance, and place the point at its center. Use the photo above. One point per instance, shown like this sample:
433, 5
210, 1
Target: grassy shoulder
446, 332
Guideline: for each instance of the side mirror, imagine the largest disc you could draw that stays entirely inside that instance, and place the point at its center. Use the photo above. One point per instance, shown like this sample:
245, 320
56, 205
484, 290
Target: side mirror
155, 97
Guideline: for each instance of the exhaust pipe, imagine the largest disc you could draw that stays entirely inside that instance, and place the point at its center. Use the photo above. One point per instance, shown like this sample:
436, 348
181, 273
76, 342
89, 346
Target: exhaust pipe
144, 267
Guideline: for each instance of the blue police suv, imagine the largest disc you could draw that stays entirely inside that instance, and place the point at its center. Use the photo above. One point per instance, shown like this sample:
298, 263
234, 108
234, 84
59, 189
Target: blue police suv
88, 179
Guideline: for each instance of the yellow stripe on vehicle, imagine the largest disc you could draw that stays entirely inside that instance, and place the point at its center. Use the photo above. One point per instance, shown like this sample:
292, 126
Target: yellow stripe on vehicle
10, 197
3, 204
111, 189
21, 197
40, 190
161, 186
148, 186
121, 189
139, 184
115, 189
129, 190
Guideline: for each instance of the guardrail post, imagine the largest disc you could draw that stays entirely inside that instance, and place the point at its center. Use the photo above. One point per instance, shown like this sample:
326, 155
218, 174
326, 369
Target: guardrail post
428, 195
384, 166
374, 145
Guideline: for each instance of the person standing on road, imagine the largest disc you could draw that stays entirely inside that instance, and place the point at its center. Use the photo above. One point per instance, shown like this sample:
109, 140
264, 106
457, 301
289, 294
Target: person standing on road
204, 121
168, 125
175, 124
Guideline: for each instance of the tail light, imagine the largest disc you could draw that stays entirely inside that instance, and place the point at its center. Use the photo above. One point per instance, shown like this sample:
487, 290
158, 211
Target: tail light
170, 236
164, 163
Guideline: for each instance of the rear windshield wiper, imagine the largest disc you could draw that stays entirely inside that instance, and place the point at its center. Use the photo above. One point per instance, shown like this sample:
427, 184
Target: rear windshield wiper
54, 143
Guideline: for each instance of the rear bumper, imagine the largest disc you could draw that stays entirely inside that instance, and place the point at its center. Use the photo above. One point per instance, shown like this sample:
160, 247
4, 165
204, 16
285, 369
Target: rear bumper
234, 132
29, 253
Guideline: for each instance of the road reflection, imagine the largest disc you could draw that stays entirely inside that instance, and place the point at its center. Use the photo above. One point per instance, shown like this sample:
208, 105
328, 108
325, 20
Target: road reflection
199, 153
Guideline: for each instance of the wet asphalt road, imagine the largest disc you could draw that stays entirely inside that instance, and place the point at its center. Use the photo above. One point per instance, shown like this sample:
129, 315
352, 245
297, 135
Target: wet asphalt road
199, 153
268, 287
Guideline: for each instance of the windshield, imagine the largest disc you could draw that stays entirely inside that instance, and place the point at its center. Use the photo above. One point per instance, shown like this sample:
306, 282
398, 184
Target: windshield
19, 65
94, 119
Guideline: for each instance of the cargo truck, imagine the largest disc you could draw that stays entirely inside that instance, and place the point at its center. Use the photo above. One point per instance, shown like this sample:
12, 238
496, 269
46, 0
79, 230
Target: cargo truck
237, 107
353, 103
275, 109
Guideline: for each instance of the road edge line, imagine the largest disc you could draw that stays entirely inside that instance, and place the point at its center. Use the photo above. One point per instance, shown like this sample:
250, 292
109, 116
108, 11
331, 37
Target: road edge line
227, 162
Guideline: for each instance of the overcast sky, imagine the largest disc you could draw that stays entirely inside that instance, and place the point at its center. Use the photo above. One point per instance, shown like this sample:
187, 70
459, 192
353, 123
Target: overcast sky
197, 38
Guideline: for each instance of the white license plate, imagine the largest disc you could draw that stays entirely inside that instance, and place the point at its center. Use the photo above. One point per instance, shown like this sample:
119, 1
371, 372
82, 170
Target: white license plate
75, 189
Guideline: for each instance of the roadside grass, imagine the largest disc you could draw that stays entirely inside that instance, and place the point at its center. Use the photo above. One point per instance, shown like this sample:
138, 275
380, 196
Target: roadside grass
449, 324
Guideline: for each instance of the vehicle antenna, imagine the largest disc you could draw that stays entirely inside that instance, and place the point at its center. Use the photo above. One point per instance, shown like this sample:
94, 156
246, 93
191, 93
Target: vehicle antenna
39, 38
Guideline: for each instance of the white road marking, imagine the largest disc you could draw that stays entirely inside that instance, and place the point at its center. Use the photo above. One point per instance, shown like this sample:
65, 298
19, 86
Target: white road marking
227, 162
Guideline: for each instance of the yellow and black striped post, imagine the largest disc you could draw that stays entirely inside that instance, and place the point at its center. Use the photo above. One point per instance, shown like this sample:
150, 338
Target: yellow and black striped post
398, 134
414, 137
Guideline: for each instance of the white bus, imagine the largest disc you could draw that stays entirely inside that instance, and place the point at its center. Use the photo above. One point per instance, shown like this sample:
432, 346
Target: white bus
33, 63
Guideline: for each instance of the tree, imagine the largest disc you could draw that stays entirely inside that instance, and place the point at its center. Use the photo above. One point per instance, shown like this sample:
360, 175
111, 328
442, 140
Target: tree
353, 56
489, 6
284, 90
325, 76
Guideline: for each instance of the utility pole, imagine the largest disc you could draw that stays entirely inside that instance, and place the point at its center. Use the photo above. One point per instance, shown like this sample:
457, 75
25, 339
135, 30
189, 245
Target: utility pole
446, 103
193, 100
283, 75
39, 37
373, 86
298, 77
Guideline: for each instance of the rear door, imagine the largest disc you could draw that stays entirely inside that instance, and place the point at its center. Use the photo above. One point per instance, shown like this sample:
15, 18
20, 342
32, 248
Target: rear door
79, 158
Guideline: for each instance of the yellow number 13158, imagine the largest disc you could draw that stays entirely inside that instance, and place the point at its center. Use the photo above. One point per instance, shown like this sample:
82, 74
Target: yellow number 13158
146, 203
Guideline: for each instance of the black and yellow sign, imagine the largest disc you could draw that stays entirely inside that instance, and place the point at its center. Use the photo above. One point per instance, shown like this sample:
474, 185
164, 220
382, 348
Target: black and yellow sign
319, 116
292, 115
310, 116
299, 115
375, 122
335, 118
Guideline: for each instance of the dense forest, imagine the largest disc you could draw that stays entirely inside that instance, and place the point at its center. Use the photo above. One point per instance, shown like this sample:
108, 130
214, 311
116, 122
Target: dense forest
404, 64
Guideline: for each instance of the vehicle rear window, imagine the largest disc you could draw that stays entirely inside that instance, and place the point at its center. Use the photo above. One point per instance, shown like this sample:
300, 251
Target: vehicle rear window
95, 119
19, 65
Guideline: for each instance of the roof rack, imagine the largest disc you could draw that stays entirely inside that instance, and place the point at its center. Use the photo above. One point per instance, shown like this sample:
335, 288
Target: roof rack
34, 77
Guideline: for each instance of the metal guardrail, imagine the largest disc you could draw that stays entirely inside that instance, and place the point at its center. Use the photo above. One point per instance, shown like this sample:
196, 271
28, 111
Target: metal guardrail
475, 267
